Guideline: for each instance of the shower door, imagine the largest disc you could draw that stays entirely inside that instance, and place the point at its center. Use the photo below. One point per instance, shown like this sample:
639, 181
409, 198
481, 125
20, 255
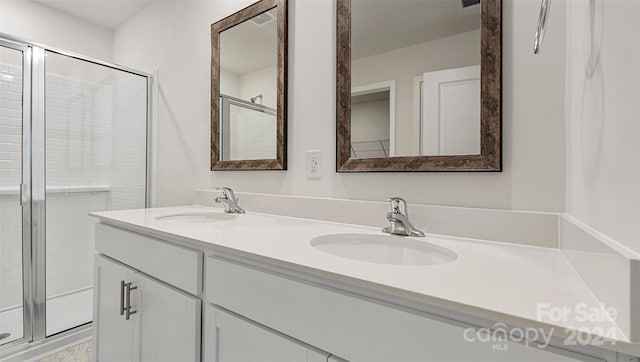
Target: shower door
95, 127
73, 140
15, 318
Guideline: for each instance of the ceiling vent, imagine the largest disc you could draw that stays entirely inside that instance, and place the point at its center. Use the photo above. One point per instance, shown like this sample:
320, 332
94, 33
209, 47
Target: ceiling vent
468, 3
263, 19
469, 7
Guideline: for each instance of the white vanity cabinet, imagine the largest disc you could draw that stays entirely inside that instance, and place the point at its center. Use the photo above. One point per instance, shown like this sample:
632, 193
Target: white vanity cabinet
230, 338
169, 323
138, 317
352, 327
235, 307
112, 331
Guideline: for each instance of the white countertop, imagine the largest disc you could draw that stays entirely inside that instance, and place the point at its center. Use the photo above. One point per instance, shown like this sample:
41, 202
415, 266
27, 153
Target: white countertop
499, 281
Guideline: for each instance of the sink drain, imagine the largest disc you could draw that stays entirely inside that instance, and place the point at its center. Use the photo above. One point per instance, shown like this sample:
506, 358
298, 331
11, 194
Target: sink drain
4, 335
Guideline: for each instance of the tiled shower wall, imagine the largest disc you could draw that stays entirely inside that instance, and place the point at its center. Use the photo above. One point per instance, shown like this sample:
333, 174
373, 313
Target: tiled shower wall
10, 124
78, 118
96, 160
78, 138
252, 134
10, 175
128, 142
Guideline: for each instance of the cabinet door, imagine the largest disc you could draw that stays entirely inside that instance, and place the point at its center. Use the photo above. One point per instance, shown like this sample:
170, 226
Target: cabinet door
336, 359
168, 322
113, 335
233, 339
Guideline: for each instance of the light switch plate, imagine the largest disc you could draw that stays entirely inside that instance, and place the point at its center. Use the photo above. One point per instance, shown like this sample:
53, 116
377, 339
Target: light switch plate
314, 164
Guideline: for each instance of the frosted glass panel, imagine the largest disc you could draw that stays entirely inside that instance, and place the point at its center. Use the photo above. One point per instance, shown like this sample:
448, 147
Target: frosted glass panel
11, 97
95, 121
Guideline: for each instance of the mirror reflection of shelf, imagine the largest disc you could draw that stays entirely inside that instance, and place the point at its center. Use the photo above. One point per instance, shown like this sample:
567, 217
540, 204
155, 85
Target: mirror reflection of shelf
378, 148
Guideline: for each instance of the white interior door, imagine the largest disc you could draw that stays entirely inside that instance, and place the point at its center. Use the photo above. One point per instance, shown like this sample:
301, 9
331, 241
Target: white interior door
451, 112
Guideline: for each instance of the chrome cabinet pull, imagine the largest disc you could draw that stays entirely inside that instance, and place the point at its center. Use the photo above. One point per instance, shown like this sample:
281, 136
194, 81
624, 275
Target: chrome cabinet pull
122, 297
128, 310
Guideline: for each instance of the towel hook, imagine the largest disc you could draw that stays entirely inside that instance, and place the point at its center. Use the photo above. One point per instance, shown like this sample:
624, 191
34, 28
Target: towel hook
542, 24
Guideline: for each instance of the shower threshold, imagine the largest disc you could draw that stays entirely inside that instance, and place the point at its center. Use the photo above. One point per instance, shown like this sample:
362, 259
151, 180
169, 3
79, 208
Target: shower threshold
64, 311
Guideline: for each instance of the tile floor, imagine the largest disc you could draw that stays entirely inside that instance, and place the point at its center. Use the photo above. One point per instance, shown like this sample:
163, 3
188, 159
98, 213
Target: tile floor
78, 353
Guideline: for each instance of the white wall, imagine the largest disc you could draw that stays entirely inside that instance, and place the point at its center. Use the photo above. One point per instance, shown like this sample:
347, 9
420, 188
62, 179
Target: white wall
229, 83
370, 120
403, 64
174, 39
370, 123
35, 22
602, 113
246, 86
263, 81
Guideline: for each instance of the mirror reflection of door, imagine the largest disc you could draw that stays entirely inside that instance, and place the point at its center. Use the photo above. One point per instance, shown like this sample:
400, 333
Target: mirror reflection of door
450, 112
430, 51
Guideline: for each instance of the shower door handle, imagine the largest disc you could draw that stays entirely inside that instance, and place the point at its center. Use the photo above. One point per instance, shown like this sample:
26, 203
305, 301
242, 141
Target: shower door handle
23, 194
127, 309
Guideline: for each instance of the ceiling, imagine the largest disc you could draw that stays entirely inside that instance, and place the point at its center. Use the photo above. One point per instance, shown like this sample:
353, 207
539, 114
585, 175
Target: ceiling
108, 13
248, 47
379, 26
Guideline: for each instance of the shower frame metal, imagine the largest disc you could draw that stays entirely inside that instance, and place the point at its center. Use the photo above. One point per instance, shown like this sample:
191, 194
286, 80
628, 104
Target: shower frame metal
33, 187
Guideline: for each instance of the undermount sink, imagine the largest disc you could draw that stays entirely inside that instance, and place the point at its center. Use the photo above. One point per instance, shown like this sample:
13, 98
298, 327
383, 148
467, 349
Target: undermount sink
396, 250
195, 216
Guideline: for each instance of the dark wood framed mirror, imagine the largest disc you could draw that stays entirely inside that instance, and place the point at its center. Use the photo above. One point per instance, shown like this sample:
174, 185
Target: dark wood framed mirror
419, 85
249, 88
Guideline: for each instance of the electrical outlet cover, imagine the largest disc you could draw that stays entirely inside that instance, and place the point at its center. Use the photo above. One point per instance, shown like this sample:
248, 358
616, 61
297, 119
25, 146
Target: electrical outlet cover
314, 164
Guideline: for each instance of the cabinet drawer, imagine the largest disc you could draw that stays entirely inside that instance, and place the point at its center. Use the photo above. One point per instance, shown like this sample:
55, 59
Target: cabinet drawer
231, 339
173, 264
354, 328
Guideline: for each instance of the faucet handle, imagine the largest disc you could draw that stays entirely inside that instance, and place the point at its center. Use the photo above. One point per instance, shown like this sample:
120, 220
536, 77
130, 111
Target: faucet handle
398, 205
226, 192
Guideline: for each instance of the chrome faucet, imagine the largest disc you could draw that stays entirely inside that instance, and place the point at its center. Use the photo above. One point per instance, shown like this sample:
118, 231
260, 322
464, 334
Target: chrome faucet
228, 200
399, 219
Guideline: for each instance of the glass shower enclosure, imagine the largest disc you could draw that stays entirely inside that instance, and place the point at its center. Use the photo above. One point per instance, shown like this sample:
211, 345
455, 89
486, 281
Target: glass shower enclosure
73, 140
